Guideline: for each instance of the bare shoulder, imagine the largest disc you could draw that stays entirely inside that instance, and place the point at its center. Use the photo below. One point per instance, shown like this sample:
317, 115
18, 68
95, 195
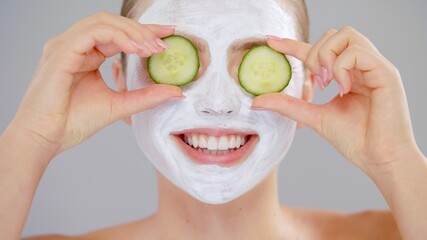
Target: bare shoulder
371, 224
129, 231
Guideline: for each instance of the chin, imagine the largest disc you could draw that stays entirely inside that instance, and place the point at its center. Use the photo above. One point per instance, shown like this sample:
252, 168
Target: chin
213, 164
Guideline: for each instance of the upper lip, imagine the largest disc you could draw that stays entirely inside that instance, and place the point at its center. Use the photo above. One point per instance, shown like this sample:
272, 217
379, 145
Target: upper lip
215, 131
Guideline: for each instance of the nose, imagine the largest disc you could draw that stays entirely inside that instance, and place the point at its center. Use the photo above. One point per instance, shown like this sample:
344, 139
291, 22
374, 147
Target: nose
224, 104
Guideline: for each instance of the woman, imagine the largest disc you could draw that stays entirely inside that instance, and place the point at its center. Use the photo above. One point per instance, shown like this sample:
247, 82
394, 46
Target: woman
206, 196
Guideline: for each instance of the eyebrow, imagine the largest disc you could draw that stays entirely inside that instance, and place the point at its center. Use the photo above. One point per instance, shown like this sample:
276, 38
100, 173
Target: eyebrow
197, 42
236, 46
247, 44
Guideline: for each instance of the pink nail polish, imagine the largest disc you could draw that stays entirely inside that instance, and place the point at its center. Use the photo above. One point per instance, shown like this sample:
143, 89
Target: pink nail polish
177, 98
168, 26
161, 43
319, 82
139, 47
273, 37
341, 90
325, 75
151, 47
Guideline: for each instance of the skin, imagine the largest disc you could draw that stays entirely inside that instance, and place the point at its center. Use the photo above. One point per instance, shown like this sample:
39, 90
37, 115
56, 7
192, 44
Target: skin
382, 146
215, 100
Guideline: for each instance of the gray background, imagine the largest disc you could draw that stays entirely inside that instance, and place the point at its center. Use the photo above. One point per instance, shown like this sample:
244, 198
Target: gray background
106, 180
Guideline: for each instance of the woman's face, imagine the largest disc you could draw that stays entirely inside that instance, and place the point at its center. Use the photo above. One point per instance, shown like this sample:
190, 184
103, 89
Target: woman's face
211, 144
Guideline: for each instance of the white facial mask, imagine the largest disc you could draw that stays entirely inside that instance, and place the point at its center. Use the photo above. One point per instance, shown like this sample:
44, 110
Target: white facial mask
208, 99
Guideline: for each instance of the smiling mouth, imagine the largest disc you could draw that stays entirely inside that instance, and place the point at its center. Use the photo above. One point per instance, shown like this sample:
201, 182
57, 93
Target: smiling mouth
209, 146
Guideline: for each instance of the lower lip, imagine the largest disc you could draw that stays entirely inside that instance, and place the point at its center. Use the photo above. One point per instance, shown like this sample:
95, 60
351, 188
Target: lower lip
228, 159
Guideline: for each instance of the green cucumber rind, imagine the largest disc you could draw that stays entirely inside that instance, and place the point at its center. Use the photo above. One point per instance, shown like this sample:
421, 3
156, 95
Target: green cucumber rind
257, 93
192, 78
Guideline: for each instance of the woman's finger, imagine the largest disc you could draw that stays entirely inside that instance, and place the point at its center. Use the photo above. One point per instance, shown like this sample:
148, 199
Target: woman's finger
161, 31
141, 36
301, 111
101, 34
301, 51
290, 47
155, 33
362, 60
81, 54
337, 43
313, 63
127, 103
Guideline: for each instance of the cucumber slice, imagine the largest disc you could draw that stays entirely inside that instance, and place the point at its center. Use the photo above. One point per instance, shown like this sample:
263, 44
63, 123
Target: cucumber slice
264, 70
177, 65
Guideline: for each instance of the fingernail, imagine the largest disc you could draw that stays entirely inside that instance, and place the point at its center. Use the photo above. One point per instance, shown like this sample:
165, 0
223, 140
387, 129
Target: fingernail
341, 89
273, 37
151, 47
161, 43
319, 82
325, 75
137, 45
176, 98
168, 26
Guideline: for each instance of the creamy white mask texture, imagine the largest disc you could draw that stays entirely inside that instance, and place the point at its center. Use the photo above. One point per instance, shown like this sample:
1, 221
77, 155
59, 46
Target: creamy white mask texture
215, 100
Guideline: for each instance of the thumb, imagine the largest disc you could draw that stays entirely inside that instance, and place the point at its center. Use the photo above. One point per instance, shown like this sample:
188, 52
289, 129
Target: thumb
301, 111
127, 103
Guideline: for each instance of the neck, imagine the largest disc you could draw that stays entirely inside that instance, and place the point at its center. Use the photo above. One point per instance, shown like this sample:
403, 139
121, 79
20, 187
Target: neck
255, 215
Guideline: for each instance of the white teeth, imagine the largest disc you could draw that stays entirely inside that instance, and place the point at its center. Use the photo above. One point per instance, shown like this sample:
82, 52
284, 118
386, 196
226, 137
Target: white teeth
195, 140
212, 143
223, 143
232, 142
238, 141
202, 141
215, 145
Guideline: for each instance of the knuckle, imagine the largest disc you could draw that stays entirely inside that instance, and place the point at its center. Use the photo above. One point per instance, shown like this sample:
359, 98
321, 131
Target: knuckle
324, 53
331, 31
311, 63
50, 44
393, 69
336, 68
348, 29
351, 49
101, 16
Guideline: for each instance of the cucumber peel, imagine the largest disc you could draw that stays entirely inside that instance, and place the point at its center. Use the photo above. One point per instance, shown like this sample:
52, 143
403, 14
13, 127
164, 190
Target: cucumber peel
264, 70
177, 65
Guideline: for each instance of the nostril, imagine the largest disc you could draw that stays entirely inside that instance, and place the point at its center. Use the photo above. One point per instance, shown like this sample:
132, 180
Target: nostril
217, 107
216, 112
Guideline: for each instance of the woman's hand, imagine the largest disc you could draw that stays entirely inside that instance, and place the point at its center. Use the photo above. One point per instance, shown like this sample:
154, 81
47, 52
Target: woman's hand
368, 122
68, 100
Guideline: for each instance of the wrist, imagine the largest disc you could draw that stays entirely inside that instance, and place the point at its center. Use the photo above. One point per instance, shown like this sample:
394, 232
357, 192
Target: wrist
391, 160
401, 169
402, 185
18, 137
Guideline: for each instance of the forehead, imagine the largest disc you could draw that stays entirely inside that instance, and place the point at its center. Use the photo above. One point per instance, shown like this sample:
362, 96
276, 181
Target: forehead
222, 18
